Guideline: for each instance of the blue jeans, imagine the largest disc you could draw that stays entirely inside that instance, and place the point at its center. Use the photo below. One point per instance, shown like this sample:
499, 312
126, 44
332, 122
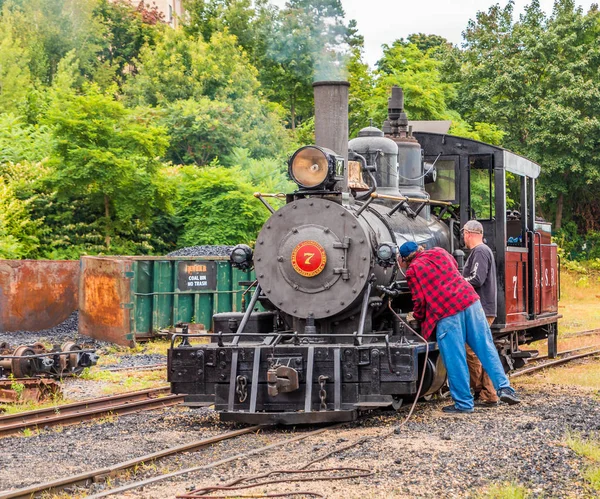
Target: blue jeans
469, 326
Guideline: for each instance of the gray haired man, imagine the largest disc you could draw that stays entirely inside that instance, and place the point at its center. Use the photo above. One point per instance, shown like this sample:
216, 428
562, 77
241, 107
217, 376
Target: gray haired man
480, 272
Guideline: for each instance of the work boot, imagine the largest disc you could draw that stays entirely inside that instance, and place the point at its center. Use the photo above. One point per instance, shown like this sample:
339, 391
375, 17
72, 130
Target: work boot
486, 403
452, 409
509, 396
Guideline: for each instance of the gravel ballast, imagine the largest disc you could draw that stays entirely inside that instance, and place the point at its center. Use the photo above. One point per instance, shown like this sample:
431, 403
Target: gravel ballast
434, 455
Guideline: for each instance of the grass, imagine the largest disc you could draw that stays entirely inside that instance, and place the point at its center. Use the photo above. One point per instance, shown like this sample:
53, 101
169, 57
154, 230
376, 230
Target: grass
108, 359
584, 374
590, 450
30, 406
28, 432
579, 302
156, 346
580, 307
506, 491
125, 381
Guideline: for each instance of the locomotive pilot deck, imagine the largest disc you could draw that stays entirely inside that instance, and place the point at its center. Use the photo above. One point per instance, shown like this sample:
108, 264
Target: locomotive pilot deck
344, 378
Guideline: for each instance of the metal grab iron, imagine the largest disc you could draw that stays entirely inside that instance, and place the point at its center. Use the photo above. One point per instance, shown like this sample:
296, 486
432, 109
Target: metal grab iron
282, 379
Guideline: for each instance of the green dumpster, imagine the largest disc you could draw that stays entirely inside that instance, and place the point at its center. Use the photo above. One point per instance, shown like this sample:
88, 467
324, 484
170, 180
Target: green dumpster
124, 299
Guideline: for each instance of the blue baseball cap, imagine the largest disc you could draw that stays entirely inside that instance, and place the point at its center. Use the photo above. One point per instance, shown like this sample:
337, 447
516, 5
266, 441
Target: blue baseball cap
408, 248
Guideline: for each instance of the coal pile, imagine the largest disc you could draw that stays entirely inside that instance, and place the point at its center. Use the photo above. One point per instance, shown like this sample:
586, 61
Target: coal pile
57, 335
202, 251
65, 331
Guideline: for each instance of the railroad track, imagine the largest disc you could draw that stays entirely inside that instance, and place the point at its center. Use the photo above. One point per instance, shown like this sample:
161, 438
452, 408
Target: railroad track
99, 475
68, 414
588, 332
148, 367
555, 362
564, 352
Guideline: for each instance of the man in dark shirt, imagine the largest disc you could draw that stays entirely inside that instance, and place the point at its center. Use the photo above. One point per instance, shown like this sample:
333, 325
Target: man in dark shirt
480, 272
445, 302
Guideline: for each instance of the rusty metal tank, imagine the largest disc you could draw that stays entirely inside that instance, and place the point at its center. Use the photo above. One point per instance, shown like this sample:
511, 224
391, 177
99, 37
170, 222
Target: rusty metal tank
37, 294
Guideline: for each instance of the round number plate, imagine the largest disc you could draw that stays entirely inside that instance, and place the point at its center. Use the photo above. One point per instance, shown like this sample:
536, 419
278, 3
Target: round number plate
309, 258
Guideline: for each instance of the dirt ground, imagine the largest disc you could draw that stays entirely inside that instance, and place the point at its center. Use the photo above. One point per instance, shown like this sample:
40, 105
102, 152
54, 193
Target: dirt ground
433, 455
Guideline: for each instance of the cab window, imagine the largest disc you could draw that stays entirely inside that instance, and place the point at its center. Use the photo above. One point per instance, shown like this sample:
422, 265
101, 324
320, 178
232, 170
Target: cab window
481, 187
444, 187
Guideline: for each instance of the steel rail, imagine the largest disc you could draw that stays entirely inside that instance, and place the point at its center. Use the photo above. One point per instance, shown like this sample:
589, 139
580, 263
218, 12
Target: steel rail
208, 466
121, 404
553, 363
588, 332
148, 367
100, 474
565, 352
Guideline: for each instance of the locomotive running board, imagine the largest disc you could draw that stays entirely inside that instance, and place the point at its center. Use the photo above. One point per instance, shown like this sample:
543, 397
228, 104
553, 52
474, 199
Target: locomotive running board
289, 418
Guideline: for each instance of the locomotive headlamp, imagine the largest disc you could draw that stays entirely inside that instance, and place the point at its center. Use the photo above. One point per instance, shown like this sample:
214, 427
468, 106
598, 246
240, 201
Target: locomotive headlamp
313, 167
387, 254
241, 257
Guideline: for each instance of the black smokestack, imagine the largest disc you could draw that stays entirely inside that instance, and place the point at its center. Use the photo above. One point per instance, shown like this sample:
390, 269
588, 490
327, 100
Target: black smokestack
331, 118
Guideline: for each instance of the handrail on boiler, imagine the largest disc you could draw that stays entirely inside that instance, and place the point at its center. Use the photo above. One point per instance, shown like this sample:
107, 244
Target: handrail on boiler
375, 195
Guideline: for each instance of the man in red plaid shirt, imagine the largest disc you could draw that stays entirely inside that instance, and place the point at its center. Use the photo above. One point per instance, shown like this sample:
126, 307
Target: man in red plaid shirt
443, 300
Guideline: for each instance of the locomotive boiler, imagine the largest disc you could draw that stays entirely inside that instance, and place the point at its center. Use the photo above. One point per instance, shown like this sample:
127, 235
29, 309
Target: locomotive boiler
332, 338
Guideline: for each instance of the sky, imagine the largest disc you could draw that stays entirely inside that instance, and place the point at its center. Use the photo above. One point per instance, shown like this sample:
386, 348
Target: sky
383, 21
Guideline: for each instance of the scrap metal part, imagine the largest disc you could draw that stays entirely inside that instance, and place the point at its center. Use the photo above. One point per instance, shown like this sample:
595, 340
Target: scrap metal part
35, 360
23, 390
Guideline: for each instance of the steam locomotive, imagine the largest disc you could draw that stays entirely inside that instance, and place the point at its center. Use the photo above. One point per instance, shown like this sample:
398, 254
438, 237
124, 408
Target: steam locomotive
332, 337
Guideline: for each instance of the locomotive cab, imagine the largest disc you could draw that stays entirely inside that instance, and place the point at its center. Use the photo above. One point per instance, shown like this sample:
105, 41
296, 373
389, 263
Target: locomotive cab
474, 176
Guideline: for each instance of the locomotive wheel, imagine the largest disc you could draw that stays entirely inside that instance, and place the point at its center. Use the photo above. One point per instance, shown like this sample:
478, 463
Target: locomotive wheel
23, 367
68, 363
397, 402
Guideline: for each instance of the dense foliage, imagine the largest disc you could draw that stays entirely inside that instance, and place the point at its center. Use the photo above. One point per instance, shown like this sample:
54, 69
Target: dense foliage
119, 134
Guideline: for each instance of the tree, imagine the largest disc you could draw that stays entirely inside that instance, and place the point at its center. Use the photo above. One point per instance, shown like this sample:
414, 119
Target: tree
250, 22
215, 206
538, 80
426, 43
426, 95
22, 142
15, 78
126, 31
49, 29
200, 131
265, 175
18, 233
360, 95
107, 155
191, 76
